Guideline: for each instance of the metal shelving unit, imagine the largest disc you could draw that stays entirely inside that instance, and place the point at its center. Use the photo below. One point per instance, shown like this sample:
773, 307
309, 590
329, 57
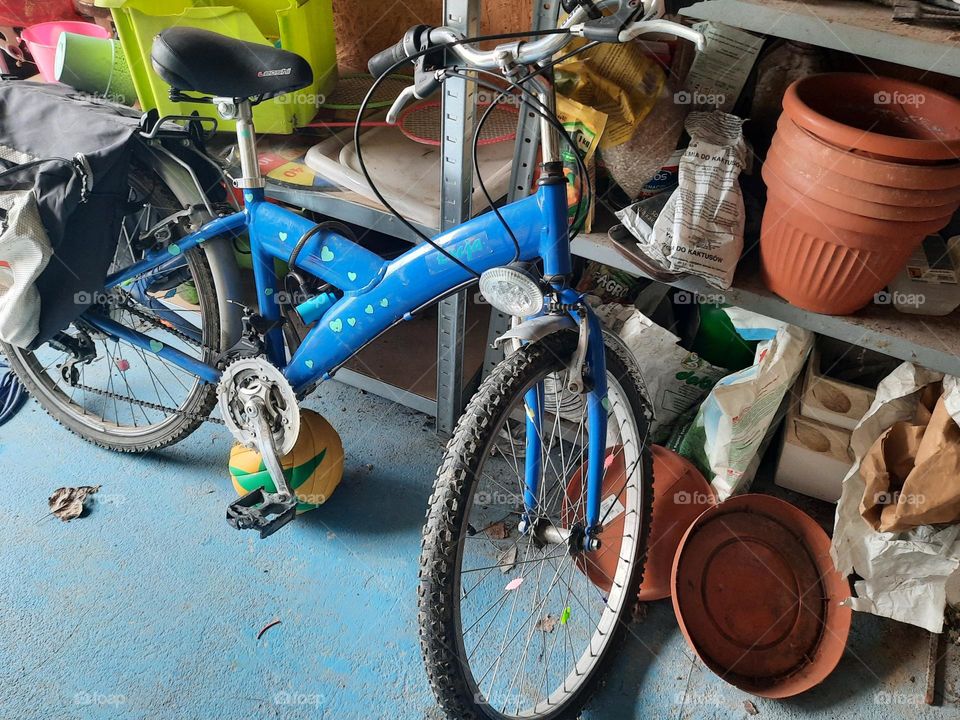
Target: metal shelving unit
852, 26
456, 190
932, 342
526, 150
860, 28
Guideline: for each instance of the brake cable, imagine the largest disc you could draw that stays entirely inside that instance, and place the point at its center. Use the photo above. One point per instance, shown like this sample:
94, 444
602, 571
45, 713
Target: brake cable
370, 94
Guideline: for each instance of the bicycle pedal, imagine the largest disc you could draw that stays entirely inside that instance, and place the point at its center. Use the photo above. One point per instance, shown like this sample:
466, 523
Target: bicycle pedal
257, 510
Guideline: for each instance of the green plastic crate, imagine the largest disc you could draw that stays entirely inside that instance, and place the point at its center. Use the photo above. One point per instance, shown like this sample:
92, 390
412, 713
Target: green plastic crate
301, 26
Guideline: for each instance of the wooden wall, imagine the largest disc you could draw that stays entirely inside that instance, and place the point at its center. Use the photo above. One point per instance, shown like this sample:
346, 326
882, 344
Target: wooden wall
364, 27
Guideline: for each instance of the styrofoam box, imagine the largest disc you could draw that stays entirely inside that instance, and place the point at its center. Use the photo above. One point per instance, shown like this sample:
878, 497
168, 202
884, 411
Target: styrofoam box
814, 459
834, 402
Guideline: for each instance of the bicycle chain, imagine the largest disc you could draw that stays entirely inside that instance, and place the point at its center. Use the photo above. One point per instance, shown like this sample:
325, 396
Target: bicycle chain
146, 403
149, 405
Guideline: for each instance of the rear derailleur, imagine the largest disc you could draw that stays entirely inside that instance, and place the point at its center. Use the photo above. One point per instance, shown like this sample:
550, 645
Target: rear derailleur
81, 351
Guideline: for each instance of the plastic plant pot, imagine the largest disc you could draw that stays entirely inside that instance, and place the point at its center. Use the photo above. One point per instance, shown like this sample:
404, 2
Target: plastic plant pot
95, 65
880, 116
808, 258
680, 494
815, 184
787, 163
882, 172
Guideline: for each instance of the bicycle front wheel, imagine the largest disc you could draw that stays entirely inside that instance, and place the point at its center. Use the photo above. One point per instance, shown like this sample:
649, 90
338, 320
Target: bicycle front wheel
522, 624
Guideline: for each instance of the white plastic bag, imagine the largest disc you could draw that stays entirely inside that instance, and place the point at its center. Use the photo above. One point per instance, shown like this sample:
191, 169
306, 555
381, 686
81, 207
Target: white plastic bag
24, 253
733, 421
676, 379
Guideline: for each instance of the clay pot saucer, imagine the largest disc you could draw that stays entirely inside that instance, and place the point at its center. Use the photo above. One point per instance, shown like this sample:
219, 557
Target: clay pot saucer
758, 598
879, 116
599, 566
680, 494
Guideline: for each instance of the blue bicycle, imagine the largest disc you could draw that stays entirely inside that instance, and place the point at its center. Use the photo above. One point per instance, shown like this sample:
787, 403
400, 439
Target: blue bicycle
533, 549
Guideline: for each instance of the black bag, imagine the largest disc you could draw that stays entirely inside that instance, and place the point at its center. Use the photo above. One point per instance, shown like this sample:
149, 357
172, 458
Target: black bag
81, 211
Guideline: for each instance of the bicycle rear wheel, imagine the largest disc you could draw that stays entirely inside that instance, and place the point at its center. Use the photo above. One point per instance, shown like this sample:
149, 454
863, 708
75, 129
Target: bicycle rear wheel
521, 624
117, 395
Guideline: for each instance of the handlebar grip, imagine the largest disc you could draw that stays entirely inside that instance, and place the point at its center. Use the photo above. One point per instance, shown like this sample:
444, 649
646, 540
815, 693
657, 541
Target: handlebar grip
410, 44
383, 61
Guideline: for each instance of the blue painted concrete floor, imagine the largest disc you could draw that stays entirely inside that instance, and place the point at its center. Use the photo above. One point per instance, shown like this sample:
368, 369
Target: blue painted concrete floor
149, 607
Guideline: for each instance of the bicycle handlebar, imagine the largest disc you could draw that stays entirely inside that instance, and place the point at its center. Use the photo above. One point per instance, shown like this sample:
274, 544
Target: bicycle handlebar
579, 23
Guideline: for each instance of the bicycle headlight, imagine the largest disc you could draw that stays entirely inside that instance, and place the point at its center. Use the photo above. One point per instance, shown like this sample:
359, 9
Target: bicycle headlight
512, 291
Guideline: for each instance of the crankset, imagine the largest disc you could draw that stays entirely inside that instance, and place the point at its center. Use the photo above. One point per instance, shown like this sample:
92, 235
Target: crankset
260, 408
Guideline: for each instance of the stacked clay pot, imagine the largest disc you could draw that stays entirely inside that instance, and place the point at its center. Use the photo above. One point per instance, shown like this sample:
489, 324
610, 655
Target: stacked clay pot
860, 170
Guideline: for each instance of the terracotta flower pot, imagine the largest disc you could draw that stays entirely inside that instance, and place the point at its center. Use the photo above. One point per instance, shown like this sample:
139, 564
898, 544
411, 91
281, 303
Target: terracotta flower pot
814, 256
877, 115
808, 147
839, 224
784, 162
815, 183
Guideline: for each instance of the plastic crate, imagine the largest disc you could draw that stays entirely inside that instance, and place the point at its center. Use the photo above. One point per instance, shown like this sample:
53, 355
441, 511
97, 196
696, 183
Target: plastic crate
301, 26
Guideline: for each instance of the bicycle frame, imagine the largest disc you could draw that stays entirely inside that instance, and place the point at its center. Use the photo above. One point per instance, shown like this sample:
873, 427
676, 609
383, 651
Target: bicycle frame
379, 293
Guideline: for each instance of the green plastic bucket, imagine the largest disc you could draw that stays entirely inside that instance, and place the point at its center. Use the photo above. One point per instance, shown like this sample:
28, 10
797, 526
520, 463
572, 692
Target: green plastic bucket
304, 27
95, 65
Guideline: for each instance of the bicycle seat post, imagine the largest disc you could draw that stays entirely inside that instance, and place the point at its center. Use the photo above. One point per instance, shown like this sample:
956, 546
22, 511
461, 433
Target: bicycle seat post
242, 111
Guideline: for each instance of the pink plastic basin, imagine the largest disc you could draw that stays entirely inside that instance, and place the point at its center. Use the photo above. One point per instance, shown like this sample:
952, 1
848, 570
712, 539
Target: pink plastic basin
41, 41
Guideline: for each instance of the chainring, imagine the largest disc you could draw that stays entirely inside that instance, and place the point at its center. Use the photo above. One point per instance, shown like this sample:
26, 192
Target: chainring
257, 378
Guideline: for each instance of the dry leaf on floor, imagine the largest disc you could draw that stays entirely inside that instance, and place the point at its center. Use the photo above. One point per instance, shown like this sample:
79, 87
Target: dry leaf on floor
507, 560
67, 502
750, 708
547, 623
497, 531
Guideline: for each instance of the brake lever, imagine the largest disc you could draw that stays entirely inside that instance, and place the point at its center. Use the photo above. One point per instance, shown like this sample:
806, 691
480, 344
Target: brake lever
408, 94
425, 83
667, 27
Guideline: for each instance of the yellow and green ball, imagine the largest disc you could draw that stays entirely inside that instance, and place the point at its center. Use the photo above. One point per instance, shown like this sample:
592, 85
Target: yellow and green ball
313, 468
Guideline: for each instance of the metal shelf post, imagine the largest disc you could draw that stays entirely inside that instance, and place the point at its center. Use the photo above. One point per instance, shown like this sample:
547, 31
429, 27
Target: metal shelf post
456, 189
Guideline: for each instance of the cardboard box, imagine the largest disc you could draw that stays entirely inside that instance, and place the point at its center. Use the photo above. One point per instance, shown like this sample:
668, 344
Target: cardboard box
815, 457
834, 402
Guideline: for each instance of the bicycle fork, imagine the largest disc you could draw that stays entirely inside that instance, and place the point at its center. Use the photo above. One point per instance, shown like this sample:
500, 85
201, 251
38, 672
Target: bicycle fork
586, 374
